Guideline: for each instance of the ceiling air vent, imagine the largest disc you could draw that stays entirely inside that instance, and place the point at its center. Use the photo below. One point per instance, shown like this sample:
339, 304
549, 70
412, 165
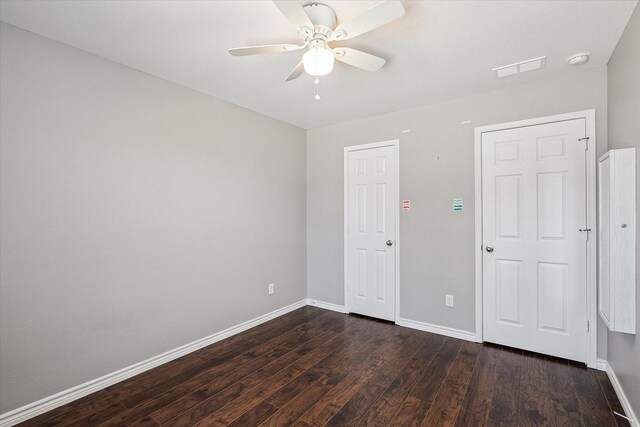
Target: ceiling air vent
521, 67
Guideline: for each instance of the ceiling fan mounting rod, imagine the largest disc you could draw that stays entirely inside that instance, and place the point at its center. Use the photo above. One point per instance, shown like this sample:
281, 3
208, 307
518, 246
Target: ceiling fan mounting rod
323, 19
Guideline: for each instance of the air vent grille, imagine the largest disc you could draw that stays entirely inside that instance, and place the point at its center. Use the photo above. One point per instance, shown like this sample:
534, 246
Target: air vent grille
521, 67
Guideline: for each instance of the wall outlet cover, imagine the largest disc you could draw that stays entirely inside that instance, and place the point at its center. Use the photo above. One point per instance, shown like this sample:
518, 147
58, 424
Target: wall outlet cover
448, 300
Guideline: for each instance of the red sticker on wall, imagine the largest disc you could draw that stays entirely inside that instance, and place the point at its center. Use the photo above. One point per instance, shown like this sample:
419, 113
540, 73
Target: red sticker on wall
406, 205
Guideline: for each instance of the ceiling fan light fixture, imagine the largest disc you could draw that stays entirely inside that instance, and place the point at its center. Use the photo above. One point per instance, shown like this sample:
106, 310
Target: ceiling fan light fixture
318, 61
316, 25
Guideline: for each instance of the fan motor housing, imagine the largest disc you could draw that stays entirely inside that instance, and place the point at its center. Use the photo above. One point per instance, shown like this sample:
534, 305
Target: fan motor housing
322, 16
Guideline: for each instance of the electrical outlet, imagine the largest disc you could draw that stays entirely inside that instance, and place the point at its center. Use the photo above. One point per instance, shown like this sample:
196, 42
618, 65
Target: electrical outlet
448, 300
272, 288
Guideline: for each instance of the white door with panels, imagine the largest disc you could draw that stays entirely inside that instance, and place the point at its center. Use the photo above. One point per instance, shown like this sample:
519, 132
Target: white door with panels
534, 264
370, 229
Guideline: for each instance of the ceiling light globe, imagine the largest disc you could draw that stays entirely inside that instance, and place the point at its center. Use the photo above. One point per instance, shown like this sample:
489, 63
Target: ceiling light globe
318, 61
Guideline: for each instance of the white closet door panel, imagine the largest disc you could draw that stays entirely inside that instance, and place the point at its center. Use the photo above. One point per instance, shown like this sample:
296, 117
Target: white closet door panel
371, 222
534, 203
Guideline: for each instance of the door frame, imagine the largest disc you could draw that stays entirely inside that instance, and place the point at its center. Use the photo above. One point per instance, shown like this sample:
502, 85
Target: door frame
592, 308
395, 143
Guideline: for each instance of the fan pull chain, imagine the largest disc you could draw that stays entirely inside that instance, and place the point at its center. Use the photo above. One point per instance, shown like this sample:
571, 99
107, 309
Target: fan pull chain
317, 82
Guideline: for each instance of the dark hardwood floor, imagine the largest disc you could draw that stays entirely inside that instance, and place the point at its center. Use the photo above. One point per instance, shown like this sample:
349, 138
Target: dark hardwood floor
314, 367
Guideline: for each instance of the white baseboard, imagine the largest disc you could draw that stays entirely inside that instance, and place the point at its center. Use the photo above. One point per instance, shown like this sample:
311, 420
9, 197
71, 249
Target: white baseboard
413, 324
326, 305
633, 419
48, 403
436, 329
601, 364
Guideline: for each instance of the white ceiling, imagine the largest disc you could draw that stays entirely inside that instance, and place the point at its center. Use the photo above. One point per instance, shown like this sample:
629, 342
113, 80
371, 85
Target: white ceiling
439, 50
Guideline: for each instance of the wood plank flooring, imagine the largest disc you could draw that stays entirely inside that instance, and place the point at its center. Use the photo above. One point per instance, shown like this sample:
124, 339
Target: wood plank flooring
314, 367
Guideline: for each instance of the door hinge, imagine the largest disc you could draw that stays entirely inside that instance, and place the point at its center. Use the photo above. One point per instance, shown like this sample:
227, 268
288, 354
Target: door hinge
587, 230
588, 326
586, 142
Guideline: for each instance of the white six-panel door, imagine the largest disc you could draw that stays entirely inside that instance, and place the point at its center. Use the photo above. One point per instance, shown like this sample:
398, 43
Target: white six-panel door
371, 231
534, 260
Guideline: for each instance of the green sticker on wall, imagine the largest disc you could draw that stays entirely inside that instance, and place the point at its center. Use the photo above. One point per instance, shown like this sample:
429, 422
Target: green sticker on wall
457, 205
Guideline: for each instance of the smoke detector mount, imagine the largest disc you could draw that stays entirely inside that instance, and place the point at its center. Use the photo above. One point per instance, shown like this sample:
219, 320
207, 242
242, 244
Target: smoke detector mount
579, 58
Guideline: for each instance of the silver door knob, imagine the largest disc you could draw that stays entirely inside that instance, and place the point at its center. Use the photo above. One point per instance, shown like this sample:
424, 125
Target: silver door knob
489, 248
389, 242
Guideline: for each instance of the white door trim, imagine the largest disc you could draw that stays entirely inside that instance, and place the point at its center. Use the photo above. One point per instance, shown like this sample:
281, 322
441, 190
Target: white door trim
395, 143
592, 309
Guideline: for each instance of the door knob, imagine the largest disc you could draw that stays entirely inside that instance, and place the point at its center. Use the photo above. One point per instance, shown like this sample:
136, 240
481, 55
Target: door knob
489, 248
389, 242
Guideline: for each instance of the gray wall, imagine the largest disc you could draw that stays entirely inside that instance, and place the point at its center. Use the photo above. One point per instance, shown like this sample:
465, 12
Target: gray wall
624, 132
136, 216
436, 166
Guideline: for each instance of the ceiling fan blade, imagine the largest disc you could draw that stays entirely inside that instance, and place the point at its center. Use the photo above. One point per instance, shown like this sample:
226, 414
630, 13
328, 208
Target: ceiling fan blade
296, 72
294, 12
359, 59
269, 48
372, 18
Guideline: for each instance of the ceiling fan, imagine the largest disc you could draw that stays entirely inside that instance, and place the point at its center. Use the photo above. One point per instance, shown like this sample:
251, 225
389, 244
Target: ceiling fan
316, 24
